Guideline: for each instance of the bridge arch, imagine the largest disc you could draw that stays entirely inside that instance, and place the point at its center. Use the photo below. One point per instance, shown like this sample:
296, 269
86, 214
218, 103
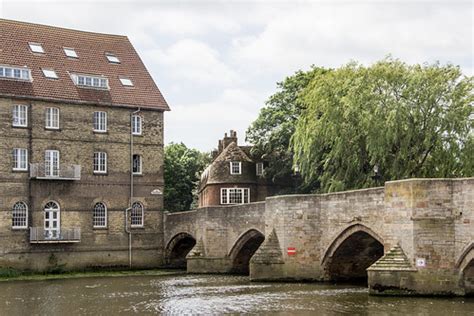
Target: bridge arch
465, 264
350, 254
243, 249
177, 249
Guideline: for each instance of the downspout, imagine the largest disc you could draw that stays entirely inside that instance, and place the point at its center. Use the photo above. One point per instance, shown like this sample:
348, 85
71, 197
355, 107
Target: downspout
127, 229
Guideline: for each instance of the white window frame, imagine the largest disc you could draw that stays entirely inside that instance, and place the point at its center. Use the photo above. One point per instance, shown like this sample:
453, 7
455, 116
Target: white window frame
20, 159
127, 82
134, 216
51, 163
52, 214
226, 195
259, 169
140, 166
99, 220
15, 73
20, 115
70, 52
232, 164
49, 73
112, 58
90, 81
36, 48
100, 121
20, 215
137, 125
52, 118
100, 162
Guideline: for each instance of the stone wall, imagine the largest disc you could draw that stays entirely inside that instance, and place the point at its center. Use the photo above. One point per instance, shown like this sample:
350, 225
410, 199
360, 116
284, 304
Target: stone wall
76, 142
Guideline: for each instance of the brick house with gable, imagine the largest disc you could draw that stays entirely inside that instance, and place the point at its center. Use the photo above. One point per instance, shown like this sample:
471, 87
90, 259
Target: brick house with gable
81, 133
234, 176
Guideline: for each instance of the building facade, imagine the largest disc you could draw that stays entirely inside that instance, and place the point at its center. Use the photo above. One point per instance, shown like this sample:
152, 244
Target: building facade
81, 134
235, 176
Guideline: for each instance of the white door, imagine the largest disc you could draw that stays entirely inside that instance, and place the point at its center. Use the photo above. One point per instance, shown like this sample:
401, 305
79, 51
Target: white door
51, 163
52, 226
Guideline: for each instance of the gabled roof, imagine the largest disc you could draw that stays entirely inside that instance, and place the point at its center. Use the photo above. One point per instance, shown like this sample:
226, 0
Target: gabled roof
91, 49
233, 153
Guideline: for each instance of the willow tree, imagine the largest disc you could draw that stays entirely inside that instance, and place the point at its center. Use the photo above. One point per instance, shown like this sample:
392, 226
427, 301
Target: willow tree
271, 132
388, 121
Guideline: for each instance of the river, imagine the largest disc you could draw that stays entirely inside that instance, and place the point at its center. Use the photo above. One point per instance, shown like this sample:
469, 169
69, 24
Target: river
209, 294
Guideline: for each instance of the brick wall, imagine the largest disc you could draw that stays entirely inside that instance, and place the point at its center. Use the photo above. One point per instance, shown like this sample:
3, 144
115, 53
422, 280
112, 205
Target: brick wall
76, 143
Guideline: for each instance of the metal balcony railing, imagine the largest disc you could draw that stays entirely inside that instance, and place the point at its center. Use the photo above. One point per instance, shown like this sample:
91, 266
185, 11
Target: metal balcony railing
39, 235
64, 172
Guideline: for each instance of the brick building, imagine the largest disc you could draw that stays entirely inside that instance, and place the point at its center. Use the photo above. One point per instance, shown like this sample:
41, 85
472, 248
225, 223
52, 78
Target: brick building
81, 134
235, 176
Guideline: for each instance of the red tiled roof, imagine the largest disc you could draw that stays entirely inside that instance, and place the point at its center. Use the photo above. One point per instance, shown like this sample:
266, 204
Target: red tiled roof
91, 49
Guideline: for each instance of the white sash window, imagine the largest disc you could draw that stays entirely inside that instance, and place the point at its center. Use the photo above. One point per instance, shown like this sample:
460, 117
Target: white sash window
52, 118
235, 195
100, 122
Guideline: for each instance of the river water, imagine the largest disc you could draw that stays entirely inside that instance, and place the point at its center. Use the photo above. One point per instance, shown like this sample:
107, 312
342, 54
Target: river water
209, 294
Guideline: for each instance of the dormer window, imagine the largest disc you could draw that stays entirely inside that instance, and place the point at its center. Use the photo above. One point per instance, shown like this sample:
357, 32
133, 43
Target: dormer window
126, 82
36, 48
49, 73
89, 81
112, 58
236, 167
16, 73
70, 52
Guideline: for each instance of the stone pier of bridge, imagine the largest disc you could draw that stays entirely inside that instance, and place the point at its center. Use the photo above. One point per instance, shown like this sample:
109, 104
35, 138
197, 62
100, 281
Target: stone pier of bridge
410, 237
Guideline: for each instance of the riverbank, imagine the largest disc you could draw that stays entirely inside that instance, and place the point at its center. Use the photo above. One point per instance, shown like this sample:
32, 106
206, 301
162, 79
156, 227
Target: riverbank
7, 275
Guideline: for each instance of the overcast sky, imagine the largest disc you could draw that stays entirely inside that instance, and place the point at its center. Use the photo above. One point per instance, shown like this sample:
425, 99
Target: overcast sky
216, 62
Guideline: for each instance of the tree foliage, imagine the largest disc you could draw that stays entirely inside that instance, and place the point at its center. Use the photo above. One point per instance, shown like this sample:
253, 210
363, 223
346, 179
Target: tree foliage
182, 169
408, 120
271, 132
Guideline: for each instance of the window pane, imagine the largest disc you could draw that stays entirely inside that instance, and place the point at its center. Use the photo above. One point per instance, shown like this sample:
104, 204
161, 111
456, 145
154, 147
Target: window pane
136, 215
20, 215
99, 215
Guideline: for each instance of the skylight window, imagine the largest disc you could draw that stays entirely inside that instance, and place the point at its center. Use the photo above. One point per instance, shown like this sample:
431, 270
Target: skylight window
90, 81
70, 52
49, 73
36, 48
126, 82
112, 58
15, 73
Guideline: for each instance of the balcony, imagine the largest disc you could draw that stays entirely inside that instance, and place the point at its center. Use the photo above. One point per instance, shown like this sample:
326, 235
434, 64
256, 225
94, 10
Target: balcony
64, 172
38, 235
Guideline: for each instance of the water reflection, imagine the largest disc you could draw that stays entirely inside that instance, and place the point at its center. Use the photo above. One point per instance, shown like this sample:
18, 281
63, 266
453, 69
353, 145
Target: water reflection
191, 294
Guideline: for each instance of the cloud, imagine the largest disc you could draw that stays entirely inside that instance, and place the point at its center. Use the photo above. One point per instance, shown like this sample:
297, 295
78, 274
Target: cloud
331, 35
194, 61
205, 122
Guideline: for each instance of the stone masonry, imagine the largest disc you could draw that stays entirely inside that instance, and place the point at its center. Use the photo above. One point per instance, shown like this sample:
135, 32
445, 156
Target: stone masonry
425, 228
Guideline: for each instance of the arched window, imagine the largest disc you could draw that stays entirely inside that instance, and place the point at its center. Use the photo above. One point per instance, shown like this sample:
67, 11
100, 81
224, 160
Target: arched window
52, 220
136, 216
20, 215
99, 215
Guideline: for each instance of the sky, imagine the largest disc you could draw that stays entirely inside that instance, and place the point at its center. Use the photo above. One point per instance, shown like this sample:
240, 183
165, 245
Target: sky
217, 62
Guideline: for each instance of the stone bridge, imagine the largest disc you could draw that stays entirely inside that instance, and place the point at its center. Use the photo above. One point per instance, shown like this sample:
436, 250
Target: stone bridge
409, 237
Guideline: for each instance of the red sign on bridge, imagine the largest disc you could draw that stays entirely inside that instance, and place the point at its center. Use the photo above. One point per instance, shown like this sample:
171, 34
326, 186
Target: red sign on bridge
291, 251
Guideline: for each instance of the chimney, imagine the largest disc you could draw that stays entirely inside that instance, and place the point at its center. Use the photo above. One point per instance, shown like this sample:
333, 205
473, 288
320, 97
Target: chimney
223, 143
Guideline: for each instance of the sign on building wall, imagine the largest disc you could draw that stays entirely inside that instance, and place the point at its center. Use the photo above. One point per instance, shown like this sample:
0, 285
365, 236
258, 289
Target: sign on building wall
291, 251
420, 262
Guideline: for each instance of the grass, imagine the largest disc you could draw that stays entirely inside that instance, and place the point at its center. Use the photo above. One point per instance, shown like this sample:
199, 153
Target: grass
10, 274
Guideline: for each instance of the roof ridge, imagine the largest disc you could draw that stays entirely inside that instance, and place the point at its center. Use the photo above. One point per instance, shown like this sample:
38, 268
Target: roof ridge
59, 27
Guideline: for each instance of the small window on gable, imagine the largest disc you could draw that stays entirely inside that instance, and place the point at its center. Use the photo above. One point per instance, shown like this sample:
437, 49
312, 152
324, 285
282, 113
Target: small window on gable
36, 48
49, 73
70, 52
259, 167
235, 167
126, 82
112, 58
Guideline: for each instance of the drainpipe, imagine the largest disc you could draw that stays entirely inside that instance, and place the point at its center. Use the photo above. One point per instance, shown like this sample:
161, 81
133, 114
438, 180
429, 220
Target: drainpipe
127, 229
